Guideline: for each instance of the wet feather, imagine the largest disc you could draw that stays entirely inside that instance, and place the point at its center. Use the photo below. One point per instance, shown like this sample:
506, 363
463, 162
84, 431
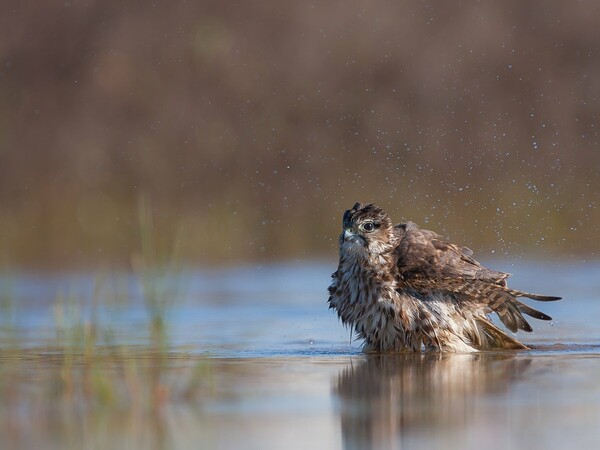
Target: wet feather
402, 288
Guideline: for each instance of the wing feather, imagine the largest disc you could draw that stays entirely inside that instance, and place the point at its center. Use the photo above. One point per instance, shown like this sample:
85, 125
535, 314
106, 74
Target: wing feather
428, 263
423, 253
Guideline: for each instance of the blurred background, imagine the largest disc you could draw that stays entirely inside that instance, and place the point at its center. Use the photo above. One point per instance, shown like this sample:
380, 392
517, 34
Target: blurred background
172, 180
240, 131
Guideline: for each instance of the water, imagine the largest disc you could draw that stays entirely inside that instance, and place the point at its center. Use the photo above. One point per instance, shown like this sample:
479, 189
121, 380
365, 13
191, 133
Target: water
252, 358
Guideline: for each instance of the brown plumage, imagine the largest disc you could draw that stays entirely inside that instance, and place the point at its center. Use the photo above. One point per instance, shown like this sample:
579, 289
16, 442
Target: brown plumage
403, 288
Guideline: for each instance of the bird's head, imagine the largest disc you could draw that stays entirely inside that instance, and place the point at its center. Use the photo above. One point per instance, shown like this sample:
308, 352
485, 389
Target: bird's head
366, 228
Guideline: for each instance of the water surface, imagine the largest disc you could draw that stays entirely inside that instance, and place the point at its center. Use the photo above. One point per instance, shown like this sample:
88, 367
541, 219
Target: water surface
251, 357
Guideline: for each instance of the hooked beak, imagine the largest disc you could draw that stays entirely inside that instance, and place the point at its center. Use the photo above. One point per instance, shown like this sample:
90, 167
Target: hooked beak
353, 239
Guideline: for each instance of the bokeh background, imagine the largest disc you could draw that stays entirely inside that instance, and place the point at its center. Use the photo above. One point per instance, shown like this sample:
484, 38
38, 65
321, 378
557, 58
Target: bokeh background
240, 131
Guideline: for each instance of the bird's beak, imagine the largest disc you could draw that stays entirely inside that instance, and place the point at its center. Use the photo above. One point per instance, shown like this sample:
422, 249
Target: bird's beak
348, 234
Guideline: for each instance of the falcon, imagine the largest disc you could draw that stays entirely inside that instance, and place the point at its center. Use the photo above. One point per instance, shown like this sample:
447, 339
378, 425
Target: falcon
402, 288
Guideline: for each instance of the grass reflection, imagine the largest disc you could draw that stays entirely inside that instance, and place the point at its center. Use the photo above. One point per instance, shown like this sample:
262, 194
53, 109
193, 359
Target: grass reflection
87, 385
74, 395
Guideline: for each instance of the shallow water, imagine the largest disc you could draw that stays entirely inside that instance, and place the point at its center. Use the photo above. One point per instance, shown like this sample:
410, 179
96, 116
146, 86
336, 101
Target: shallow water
251, 357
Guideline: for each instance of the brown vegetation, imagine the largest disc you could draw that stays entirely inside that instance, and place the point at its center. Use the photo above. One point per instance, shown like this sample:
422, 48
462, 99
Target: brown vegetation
250, 126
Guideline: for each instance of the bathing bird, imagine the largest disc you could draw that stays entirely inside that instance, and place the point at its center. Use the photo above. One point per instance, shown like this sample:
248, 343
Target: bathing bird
403, 288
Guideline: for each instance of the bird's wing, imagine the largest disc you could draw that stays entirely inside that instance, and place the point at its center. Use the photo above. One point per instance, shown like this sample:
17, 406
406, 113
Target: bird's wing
499, 299
423, 253
428, 263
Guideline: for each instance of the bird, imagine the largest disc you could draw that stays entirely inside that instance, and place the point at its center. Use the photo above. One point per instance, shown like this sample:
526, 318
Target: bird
401, 288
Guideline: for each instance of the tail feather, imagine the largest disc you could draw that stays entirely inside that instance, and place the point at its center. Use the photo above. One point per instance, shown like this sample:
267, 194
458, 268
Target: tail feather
494, 338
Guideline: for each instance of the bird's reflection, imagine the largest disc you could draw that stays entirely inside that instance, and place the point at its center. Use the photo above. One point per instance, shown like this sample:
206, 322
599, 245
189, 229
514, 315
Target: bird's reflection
385, 399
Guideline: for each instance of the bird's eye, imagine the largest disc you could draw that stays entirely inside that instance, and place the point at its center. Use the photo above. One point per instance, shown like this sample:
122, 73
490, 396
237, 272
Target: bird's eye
368, 226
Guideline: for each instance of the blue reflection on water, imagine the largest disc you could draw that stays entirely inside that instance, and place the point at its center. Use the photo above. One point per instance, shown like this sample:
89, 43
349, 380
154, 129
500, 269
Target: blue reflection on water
265, 310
